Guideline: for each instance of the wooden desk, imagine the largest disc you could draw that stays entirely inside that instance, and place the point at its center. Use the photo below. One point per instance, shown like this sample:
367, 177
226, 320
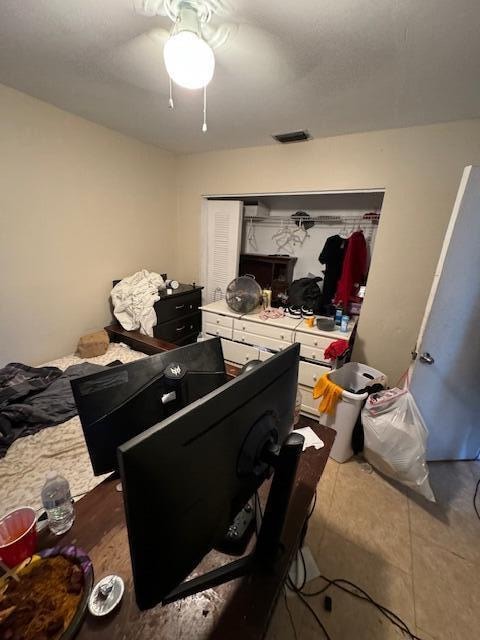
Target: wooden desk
240, 609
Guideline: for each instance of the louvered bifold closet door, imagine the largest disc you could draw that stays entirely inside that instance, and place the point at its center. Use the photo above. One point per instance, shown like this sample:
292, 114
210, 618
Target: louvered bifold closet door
223, 239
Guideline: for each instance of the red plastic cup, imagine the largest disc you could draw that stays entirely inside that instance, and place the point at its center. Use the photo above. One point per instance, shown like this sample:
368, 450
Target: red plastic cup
18, 536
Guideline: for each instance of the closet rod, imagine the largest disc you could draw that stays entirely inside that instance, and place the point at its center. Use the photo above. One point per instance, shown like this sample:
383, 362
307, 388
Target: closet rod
333, 220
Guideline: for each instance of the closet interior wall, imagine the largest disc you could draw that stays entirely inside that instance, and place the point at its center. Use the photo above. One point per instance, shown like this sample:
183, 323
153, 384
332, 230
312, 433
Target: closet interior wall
261, 236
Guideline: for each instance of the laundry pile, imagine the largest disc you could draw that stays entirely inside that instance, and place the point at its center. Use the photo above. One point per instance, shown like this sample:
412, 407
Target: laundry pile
133, 299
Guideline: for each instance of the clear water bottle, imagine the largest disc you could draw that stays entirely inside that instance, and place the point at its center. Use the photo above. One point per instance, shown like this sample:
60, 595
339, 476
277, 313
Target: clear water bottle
57, 501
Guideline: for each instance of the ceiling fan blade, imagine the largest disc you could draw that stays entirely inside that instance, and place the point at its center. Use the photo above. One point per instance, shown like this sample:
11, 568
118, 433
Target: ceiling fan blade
266, 56
149, 8
159, 36
218, 36
139, 61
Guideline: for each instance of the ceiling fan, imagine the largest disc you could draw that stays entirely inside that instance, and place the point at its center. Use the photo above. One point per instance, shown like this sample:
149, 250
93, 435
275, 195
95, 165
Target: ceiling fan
188, 46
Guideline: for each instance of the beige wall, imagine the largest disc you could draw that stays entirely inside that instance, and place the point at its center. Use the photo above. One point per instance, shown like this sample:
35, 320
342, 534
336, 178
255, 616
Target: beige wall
420, 168
80, 205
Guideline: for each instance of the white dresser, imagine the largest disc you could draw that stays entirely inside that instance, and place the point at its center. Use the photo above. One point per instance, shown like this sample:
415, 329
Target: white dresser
247, 337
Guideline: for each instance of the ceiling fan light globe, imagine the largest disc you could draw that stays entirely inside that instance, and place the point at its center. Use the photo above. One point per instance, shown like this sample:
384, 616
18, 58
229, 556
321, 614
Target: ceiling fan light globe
189, 60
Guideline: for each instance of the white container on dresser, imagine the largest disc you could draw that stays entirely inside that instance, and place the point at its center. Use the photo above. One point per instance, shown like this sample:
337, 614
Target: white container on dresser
247, 337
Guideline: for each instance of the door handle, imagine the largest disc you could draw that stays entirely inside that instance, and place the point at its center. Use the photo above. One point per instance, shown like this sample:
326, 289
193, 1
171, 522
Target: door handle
426, 358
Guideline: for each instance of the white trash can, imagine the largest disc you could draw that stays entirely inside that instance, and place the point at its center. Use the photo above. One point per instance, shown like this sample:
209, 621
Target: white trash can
354, 376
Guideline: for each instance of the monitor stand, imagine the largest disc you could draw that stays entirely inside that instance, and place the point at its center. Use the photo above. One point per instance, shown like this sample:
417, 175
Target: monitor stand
268, 548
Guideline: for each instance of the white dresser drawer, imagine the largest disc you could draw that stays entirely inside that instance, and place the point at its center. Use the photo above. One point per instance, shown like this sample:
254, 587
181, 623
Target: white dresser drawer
311, 353
263, 329
215, 318
238, 353
264, 355
217, 330
309, 404
308, 373
262, 341
313, 340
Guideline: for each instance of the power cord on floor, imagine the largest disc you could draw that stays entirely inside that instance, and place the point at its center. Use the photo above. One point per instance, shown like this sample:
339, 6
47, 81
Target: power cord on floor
289, 613
354, 590
475, 499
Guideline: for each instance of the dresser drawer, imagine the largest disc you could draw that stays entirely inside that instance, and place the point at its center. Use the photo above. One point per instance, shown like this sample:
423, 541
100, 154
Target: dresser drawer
308, 373
217, 330
174, 330
263, 329
264, 355
177, 306
217, 319
261, 341
309, 404
312, 340
311, 353
238, 353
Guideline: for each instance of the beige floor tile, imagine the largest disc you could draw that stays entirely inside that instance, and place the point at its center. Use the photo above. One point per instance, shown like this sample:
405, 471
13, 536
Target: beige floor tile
318, 520
423, 635
447, 592
371, 513
352, 618
451, 522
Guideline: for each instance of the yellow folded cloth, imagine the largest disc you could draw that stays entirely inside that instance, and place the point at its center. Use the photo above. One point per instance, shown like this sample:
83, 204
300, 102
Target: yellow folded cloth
331, 393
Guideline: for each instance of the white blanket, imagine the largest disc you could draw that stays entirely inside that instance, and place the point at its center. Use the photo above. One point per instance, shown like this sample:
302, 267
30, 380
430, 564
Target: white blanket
133, 299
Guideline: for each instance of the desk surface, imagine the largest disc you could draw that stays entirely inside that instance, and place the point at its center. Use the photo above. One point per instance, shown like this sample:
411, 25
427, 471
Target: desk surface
240, 609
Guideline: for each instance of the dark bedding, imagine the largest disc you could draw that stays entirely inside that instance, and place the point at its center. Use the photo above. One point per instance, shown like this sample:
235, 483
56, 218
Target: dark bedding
33, 398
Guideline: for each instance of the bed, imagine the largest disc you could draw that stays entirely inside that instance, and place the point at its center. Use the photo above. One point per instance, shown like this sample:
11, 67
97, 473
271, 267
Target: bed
60, 448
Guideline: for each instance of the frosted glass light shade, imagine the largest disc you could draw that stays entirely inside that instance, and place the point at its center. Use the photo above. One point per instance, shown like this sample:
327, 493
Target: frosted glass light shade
189, 60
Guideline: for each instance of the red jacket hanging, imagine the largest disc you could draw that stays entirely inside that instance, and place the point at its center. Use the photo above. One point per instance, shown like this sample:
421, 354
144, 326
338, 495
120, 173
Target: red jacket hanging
354, 268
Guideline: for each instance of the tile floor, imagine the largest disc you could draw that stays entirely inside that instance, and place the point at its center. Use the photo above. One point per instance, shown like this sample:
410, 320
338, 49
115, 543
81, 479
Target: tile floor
421, 560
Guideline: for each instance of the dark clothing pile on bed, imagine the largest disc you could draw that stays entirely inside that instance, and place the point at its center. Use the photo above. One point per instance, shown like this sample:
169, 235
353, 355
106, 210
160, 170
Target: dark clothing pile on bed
32, 398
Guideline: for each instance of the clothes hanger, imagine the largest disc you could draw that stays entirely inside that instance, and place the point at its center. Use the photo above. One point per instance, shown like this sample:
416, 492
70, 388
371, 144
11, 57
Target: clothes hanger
251, 238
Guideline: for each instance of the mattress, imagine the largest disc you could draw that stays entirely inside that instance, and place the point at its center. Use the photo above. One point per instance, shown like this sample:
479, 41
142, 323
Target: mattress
60, 448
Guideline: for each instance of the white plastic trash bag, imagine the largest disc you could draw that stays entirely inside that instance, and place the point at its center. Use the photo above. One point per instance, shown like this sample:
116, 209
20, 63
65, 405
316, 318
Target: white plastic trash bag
396, 439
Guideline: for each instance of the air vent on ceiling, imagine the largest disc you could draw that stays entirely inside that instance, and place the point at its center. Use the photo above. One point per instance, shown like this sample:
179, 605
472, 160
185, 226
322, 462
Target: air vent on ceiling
293, 136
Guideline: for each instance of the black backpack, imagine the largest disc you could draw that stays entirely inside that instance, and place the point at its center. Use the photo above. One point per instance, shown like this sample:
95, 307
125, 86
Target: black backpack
305, 292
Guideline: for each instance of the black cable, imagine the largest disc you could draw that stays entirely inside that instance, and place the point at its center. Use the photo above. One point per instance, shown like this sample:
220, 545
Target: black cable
304, 581
312, 509
289, 613
475, 499
339, 583
312, 611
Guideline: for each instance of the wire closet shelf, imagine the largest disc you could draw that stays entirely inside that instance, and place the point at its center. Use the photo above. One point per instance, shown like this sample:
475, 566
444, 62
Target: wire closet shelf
367, 220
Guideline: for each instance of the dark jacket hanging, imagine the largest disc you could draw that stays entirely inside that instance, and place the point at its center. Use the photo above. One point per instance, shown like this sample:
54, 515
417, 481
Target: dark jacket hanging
332, 257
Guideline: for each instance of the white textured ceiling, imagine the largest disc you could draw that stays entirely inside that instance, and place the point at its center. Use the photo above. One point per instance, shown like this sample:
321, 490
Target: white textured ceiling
330, 66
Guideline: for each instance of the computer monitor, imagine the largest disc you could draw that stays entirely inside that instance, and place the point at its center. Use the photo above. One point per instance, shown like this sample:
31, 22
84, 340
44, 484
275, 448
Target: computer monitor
118, 403
186, 478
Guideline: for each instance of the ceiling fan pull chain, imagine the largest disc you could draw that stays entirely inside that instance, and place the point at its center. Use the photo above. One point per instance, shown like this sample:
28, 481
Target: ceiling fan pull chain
204, 126
170, 100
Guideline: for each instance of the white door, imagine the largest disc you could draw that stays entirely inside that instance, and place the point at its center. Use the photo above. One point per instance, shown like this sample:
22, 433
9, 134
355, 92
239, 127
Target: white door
446, 374
220, 242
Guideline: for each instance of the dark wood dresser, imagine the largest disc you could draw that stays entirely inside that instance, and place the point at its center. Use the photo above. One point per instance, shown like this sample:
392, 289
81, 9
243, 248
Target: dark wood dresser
178, 319
273, 272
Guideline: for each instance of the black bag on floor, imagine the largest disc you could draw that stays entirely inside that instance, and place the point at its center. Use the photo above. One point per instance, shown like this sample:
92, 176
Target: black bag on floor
305, 292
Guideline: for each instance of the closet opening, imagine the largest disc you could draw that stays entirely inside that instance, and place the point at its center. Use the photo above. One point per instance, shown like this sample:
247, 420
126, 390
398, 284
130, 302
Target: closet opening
281, 239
